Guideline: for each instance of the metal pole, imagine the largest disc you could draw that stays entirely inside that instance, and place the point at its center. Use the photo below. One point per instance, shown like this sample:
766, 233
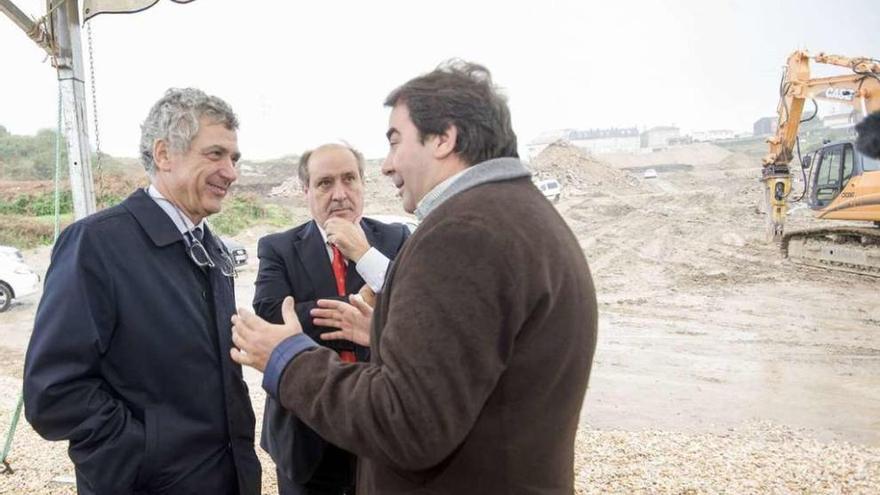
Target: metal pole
30, 28
11, 433
17, 16
66, 30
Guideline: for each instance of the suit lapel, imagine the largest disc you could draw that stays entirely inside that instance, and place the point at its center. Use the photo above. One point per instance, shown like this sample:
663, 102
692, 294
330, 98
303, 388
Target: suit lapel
374, 237
313, 255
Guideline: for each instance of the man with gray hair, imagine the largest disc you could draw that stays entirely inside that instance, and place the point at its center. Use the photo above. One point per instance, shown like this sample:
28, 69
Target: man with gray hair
128, 359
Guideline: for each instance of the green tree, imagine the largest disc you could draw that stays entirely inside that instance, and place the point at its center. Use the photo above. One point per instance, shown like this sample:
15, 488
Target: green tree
29, 157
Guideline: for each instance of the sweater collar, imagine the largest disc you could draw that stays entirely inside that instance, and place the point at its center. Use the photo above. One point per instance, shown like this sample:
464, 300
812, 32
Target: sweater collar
494, 170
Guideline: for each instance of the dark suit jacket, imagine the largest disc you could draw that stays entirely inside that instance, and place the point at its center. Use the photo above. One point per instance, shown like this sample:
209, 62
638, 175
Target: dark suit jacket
296, 263
129, 360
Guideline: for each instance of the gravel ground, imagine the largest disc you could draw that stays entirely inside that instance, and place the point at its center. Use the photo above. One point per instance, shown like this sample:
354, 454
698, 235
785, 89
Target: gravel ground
760, 457
757, 458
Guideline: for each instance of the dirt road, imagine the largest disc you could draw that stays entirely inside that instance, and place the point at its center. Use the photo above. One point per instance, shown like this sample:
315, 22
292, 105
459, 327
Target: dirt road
703, 324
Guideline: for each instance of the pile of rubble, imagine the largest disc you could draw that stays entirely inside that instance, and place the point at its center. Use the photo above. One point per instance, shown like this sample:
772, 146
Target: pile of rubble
577, 169
287, 189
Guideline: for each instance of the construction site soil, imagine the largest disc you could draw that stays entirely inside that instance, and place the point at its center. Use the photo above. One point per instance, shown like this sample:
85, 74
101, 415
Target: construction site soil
720, 367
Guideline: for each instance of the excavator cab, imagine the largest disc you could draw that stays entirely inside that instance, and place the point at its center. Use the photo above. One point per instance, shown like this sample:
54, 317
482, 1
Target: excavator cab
834, 168
838, 174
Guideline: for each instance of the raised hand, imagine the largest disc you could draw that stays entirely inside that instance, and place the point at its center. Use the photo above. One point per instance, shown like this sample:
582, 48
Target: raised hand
255, 338
352, 320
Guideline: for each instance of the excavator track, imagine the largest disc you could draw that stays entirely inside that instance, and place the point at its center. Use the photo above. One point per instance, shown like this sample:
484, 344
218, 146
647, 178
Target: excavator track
849, 249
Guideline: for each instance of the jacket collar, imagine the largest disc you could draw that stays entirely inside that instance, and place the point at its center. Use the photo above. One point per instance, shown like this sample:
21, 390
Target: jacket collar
155, 222
494, 170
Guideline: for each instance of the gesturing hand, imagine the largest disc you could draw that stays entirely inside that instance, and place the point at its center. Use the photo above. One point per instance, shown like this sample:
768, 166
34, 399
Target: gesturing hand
368, 295
352, 320
255, 338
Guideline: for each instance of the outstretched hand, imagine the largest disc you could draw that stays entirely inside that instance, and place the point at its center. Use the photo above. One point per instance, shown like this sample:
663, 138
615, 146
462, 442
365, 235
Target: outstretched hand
352, 320
255, 338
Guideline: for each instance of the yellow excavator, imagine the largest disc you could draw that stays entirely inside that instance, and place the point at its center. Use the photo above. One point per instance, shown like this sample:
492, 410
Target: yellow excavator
840, 182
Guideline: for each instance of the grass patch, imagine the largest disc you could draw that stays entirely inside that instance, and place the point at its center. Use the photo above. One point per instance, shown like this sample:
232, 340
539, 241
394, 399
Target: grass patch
27, 232
243, 211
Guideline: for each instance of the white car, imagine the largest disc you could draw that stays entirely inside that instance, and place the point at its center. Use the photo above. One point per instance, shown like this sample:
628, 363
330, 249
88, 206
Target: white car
550, 188
16, 278
650, 173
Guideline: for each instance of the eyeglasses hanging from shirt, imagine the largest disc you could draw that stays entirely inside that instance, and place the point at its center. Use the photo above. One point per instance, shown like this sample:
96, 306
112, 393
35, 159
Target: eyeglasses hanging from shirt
197, 251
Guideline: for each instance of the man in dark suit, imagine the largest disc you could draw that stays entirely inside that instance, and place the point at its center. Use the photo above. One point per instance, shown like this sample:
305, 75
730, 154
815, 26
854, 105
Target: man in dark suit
328, 257
129, 357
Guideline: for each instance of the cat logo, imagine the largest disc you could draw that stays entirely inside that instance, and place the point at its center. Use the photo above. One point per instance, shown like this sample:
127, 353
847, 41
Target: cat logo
840, 94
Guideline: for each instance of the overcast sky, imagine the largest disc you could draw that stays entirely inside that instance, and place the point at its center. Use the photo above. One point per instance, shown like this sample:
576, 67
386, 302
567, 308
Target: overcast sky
300, 73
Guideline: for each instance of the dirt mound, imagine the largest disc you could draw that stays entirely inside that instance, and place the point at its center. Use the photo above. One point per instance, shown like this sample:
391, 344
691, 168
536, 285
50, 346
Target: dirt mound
578, 169
691, 154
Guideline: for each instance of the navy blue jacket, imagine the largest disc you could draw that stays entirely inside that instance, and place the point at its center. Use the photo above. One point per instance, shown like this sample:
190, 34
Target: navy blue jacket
295, 263
129, 360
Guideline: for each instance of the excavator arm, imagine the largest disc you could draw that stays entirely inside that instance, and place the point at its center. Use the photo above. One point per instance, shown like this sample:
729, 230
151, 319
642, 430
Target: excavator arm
860, 89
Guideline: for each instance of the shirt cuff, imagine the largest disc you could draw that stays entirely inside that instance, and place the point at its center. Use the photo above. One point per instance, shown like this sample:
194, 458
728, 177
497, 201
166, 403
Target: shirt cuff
281, 356
372, 267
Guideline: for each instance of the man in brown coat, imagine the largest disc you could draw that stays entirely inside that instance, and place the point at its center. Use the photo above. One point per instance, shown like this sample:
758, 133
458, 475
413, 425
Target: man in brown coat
483, 337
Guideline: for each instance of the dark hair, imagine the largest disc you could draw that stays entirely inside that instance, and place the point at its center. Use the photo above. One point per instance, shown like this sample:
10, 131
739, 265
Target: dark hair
462, 94
868, 141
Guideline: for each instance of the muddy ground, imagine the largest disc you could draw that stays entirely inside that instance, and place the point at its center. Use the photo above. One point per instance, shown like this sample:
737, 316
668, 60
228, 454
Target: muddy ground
720, 367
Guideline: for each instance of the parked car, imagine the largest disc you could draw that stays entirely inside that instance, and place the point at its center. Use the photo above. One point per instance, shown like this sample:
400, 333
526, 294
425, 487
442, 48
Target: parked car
236, 250
17, 280
409, 222
550, 188
650, 173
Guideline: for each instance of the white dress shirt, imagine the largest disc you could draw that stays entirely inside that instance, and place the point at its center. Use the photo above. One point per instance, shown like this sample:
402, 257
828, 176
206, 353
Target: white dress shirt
181, 221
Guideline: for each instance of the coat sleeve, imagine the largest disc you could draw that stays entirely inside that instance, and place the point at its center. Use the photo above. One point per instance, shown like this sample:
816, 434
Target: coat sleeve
273, 285
449, 332
65, 395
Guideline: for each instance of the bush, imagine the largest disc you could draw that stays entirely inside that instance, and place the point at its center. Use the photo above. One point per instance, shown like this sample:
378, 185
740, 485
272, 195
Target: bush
243, 211
36, 204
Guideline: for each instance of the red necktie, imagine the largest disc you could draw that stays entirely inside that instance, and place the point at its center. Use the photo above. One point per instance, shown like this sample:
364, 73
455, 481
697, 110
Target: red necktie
339, 275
